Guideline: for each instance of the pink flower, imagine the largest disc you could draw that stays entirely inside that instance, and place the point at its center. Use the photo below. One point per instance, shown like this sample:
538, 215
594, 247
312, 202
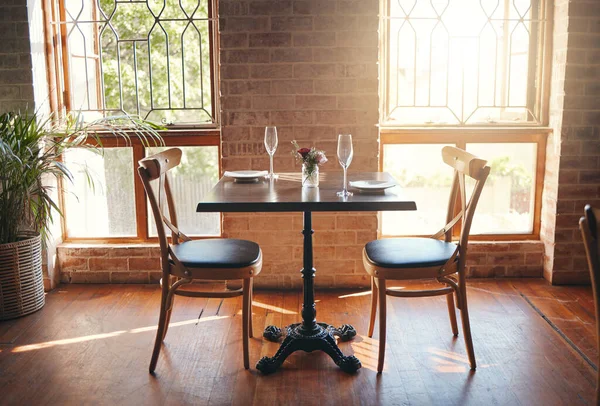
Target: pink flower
321, 158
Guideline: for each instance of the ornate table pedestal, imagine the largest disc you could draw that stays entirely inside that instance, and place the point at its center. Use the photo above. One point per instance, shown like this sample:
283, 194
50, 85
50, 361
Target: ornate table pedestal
309, 335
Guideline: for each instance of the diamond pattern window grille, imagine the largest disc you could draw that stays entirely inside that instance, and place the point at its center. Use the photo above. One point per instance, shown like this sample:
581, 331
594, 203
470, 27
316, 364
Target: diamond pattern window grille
150, 58
463, 62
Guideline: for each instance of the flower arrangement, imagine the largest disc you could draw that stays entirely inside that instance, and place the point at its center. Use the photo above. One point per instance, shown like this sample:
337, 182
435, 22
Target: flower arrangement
311, 158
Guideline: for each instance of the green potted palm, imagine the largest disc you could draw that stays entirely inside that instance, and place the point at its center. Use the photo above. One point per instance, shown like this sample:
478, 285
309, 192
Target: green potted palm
31, 154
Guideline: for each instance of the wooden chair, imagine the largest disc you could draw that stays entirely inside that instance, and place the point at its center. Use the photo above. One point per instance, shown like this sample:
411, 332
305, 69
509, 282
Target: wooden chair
185, 259
590, 228
421, 258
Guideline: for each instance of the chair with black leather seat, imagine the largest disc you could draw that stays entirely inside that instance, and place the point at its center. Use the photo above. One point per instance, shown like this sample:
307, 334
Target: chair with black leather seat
590, 228
436, 257
186, 260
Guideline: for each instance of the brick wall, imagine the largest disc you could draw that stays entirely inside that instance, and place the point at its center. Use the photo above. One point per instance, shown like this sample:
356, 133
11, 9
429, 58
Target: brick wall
573, 162
310, 68
16, 77
335, 252
23, 84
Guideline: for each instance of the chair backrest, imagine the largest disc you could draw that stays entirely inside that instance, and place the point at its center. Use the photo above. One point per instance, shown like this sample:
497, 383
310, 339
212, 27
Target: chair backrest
153, 168
464, 164
590, 228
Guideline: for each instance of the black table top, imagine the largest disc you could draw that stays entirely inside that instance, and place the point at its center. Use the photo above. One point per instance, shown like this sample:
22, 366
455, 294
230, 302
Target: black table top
286, 194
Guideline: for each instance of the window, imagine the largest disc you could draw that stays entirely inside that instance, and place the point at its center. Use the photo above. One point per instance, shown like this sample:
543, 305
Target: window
114, 207
150, 58
106, 207
463, 62
469, 73
190, 181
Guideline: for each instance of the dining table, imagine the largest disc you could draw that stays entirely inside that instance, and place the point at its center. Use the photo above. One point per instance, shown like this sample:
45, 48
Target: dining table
287, 194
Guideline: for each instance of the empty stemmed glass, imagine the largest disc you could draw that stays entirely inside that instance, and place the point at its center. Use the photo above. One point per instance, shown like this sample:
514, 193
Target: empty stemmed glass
271, 147
345, 154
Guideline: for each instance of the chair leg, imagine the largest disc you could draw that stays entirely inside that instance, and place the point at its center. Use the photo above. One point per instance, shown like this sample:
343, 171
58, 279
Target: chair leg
250, 334
245, 321
160, 332
168, 316
382, 320
374, 294
452, 313
466, 325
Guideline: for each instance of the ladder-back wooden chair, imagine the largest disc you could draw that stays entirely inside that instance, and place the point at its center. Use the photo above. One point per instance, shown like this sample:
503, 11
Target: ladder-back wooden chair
184, 259
436, 257
590, 227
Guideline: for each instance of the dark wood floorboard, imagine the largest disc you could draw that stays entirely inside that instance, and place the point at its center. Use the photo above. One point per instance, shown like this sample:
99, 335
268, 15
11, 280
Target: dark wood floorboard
91, 344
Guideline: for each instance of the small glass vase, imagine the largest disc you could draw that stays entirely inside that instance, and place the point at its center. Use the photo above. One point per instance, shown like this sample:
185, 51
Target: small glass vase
310, 179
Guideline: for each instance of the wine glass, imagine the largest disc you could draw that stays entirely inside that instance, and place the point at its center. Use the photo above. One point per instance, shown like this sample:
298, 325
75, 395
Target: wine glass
345, 154
271, 147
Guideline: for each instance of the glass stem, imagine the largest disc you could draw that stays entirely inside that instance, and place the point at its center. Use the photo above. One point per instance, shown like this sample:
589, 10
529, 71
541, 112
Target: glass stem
345, 180
271, 165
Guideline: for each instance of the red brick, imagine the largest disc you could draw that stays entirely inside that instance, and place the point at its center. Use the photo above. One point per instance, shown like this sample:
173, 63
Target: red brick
578, 191
291, 117
356, 222
335, 117
270, 223
128, 252
291, 23
67, 263
335, 23
337, 86
244, 56
349, 252
315, 102
272, 102
292, 55
314, 7
271, 39
236, 103
234, 40
234, 71
315, 70
107, 264
271, 71
243, 24
144, 264
249, 87
292, 86
508, 258
314, 39
247, 118
270, 7
235, 223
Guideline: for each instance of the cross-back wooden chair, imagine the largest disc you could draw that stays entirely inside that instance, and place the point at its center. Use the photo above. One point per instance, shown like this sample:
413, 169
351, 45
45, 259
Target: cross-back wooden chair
185, 260
436, 257
590, 228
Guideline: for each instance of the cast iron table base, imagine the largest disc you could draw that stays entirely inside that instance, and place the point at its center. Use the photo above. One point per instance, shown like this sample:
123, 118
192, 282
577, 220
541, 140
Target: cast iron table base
309, 335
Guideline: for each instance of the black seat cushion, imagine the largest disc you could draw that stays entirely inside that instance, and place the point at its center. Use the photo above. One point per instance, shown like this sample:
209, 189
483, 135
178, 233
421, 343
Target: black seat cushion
217, 253
409, 252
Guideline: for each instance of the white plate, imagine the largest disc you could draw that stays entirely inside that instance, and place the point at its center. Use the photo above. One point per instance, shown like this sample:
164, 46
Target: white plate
245, 175
372, 185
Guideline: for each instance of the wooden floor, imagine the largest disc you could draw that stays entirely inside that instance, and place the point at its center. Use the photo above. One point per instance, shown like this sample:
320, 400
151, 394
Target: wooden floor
91, 344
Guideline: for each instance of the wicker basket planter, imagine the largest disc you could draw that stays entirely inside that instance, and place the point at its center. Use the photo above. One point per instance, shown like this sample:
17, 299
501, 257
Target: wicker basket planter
21, 279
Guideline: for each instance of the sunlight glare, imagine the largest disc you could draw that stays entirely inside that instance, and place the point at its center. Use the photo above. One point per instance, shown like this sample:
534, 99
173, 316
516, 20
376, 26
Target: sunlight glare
81, 339
365, 293
273, 308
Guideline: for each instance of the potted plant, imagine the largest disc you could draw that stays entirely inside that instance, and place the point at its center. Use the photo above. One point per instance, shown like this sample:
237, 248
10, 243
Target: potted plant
31, 152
